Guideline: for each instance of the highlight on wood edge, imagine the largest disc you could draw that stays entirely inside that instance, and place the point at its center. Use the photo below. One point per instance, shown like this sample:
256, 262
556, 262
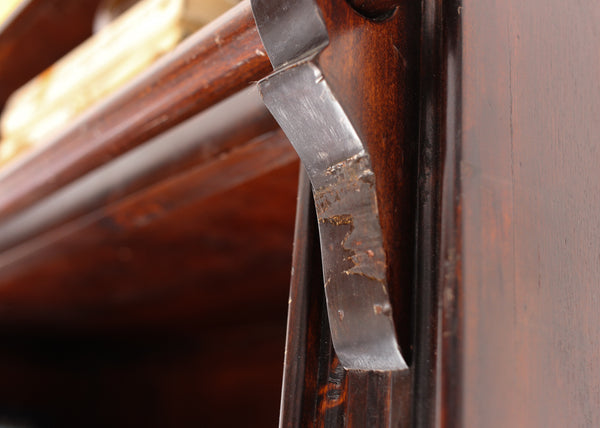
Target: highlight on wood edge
214, 63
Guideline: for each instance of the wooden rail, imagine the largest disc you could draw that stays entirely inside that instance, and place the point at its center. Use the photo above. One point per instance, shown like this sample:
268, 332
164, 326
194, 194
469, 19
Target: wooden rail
35, 36
216, 62
154, 258
206, 138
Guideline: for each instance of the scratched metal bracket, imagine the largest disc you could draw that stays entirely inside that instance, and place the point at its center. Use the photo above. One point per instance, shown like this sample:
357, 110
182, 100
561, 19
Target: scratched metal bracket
354, 262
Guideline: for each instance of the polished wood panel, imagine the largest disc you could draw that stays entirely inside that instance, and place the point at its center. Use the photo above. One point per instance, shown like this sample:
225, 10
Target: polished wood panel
306, 312
216, 62
519, 105
200, 143
160, 258
120, 322
121, 306
426, 372
188, 231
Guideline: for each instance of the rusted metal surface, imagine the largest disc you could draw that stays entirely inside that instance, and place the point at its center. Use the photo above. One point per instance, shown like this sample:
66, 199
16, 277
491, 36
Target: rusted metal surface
354, 266
354, 261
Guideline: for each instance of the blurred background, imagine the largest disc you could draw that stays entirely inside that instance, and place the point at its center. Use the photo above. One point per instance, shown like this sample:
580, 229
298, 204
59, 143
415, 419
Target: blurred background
166, 317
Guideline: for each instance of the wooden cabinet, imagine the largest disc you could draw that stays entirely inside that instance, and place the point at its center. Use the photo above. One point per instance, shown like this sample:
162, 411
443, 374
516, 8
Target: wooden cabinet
513, 113
145, 252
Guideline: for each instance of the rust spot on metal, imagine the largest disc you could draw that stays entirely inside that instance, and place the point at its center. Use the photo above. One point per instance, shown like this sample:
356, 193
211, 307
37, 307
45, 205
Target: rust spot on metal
355, 271
338, 220
382, 309
346, 197
368, 177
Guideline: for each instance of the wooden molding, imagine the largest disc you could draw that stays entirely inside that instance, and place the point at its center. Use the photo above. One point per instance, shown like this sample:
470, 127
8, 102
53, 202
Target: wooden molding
98, 67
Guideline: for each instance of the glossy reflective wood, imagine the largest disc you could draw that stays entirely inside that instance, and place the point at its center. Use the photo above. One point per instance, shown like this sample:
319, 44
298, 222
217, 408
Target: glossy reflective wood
305, 322
216, 62
517, 108
197, 143
162, 309
152, 291
190, 229
426, 369
206, 249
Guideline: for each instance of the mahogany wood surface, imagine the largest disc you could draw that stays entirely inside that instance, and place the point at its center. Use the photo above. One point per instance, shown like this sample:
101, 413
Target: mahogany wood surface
35, 36
517, 107
493, 242
426, 403
188, 230
160, 322
156, 300
305, 312
216, 62
157, 257
208, 138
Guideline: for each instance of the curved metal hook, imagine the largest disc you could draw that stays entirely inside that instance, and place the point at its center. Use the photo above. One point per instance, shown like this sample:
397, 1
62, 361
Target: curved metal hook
339, 167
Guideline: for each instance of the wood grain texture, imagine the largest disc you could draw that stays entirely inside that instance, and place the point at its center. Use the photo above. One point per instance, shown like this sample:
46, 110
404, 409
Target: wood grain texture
372, 67
519, 230
196, 144
84, 272
305, 311
35, 37
219, 60
427, 388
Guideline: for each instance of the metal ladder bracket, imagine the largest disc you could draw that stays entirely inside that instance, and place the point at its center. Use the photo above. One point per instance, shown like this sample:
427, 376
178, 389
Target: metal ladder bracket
339, 167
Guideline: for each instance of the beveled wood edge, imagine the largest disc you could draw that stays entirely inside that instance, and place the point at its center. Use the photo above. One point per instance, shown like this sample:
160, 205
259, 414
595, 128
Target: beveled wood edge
270, 150
195, 143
